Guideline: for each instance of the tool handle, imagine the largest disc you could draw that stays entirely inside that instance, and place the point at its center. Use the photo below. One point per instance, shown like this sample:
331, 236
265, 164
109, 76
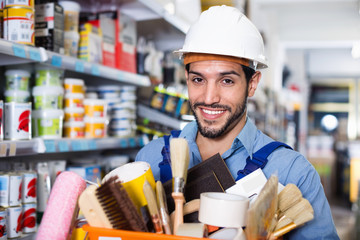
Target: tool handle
179, 204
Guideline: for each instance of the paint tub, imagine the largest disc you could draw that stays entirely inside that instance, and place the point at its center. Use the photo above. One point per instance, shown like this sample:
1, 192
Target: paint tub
48, 97
95, 107
46, 76
74, 129
17, 121
71, 12
71, 43
19, 24
17, 79
18, 96
74, 114
48, 123
74, 85
27, 3
74, 100
95, 127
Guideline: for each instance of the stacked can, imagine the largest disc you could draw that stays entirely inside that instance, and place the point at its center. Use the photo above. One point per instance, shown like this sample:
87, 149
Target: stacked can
48, 95
10, 200
43, 186
74, 125
18, 23
123, 114
28, 200
95, 118
17, 108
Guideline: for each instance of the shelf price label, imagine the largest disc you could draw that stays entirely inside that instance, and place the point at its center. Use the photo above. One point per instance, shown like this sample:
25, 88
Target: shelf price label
95, 70
3, 149
132, 142
79, 66
123, 143
50, 146
35, 55
56, 61
92, 145
76, 145
63, 146
19, 50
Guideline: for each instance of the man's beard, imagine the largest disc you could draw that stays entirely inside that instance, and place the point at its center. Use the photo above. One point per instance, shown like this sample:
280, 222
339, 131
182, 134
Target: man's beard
208, 132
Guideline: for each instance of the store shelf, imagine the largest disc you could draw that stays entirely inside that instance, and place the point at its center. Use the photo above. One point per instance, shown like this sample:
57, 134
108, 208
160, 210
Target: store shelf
94, 69
14, 53
75, 145
21, 147
155, 116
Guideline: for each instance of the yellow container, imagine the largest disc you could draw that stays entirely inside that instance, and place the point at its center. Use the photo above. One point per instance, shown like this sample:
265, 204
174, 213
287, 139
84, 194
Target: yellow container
74, 129
19, 24
94, 127
74, 114
28, 3
73, 100
95, 107
73, 85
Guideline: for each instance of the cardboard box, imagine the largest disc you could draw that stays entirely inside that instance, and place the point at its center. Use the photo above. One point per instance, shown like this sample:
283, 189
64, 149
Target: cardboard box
125, 45
49, 27
90, 43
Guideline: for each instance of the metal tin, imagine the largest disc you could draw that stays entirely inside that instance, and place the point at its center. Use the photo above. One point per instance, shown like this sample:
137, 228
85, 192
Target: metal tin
26, 3
14, 221
17, 121
43, 185
28, 194
29, 218
15, 182
3, 227
1, 120
19, 24
4, 190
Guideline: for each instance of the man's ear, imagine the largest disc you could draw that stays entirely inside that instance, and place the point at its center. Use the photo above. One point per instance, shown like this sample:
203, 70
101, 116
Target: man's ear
253, 83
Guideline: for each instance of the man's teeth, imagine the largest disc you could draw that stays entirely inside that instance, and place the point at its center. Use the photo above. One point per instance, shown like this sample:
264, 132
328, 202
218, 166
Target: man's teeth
212, 112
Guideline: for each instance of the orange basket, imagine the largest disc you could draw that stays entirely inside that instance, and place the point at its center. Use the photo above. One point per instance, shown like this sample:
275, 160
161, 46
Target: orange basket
95, 233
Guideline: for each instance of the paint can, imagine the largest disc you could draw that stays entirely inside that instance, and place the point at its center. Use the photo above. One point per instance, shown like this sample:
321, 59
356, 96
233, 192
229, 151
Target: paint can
15, 184
19, 24
3, 227
29, 218
26, 3
14, 221
17, 121
29, 180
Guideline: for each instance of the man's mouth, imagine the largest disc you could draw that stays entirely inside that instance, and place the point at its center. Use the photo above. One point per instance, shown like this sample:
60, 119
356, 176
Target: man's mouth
212, 112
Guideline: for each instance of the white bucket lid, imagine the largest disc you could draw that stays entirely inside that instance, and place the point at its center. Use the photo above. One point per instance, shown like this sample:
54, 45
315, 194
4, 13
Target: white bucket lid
74, 110
74, 81
74, 96
16, 93
17, 72
92, 102
70, 6
47, 90
47, 113
74, 124
94, 120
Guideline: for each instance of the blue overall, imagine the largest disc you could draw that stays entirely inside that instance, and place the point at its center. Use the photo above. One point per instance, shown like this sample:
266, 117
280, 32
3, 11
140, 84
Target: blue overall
259, 159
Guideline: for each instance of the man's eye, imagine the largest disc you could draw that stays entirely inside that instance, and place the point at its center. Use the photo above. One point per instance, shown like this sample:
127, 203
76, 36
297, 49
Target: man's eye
197, 80
228, 81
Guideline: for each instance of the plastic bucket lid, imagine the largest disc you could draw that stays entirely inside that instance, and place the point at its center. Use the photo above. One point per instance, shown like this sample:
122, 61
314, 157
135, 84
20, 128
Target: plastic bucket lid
17, 72
47, 90
94, 120
47, 114
70, 6
108, 88
74, 110
74, 81
70, 124
17, 93
93, 102
74, 96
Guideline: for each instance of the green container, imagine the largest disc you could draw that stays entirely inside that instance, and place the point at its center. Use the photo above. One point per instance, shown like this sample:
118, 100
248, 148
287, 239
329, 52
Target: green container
48, 77
17, 79
48, 97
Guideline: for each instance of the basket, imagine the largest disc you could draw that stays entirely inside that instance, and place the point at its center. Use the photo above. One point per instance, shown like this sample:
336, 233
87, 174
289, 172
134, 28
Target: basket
95, 233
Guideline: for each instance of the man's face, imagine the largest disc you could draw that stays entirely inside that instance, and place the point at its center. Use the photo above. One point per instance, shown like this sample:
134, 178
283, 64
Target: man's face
218, 94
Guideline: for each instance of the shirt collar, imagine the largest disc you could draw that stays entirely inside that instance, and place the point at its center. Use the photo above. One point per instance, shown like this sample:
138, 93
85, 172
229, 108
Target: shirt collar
246, 137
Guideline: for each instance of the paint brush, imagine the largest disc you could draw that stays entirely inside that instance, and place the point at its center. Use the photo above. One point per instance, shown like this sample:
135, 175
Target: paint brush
161, 202
179, 152
288, 197
261, 214
152, 207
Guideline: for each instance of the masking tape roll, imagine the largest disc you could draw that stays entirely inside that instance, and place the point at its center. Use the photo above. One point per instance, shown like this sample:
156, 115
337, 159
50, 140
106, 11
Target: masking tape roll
223, 209
197, 230
132, 176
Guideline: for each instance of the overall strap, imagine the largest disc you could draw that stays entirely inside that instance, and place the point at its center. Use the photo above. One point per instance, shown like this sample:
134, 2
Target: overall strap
164, 165
259, 159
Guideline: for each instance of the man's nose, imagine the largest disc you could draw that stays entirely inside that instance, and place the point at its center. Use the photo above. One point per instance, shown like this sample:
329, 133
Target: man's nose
211, 94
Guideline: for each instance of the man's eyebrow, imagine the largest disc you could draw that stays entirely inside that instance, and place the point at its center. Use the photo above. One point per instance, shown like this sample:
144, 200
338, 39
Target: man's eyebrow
221, 74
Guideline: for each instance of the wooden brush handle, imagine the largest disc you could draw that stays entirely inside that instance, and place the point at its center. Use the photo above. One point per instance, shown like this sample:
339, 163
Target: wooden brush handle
179, 204
283, 230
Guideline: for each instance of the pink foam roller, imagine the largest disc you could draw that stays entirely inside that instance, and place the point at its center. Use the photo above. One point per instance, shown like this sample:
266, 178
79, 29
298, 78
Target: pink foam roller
61, 207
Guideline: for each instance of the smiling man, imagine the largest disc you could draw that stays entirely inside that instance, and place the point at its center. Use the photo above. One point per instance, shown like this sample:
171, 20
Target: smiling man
222, 53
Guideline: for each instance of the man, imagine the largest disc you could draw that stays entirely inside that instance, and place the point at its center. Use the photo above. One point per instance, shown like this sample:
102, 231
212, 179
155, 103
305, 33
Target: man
222, 52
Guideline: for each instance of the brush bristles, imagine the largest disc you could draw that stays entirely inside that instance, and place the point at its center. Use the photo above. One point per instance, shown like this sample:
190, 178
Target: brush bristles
261, 215
303, 218
179, 151
151, 199
288, 197
118, 206
302, 206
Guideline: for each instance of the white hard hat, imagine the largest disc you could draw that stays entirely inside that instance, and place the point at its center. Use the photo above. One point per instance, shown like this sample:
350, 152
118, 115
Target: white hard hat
224, 30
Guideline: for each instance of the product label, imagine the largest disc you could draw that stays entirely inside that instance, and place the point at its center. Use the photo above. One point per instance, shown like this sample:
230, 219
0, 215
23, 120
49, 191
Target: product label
48, 102
28, 194
15, 190
19, 28
94, 111
48, 127
29, 218
14, 219
4, 190
3, 227
17, 121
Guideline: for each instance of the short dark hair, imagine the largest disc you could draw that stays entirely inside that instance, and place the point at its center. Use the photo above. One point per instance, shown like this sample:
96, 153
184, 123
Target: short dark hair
249, 72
